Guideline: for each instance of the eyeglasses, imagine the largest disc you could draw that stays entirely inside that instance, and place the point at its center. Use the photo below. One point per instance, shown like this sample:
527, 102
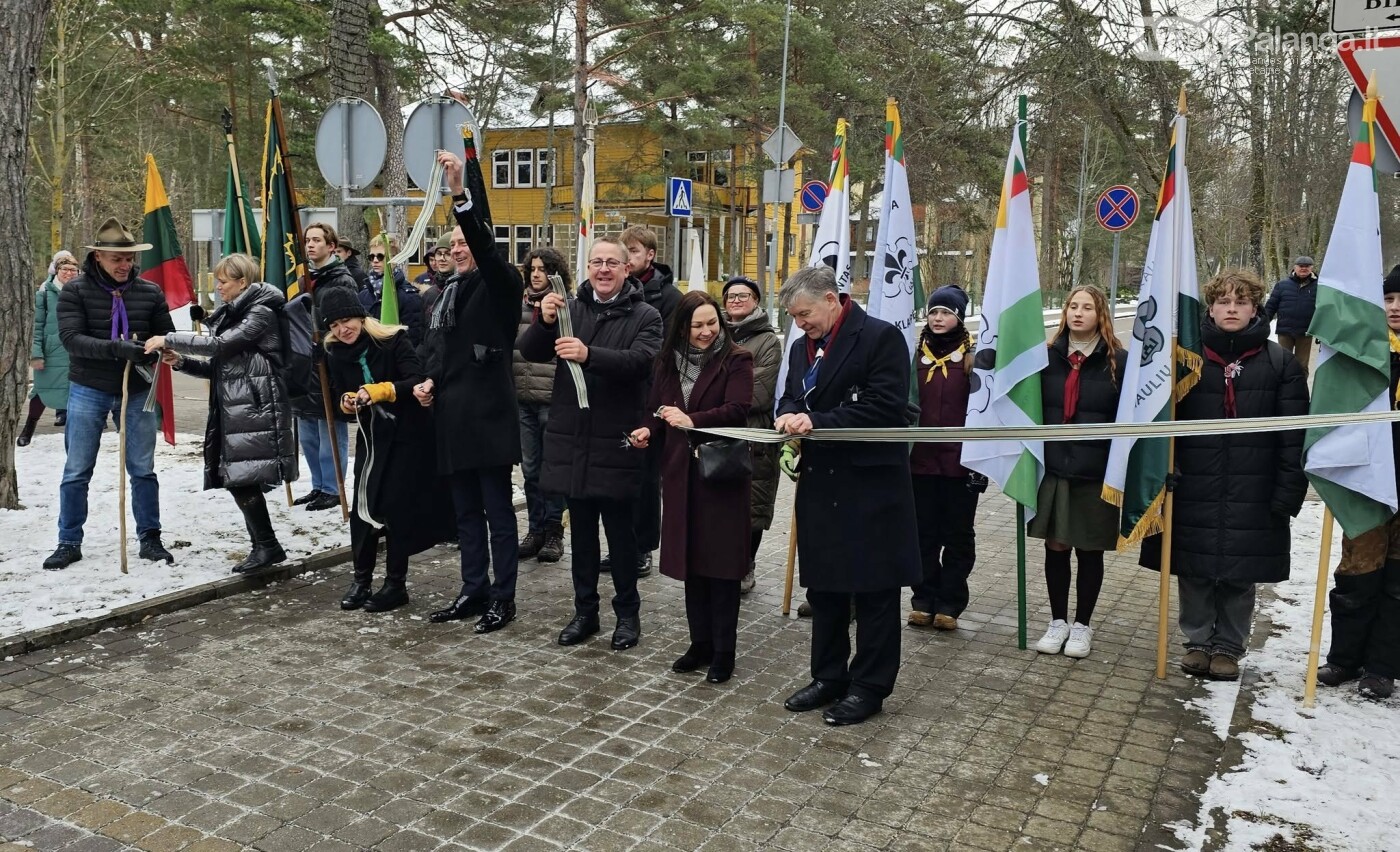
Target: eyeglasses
738, 297
376, 257
600, 262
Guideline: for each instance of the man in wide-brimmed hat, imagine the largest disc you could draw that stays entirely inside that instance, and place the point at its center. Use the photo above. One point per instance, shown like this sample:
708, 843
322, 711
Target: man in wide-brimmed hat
102, 314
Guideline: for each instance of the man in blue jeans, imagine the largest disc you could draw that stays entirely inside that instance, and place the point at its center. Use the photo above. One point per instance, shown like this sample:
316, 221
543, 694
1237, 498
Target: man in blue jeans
326, 271
101, 315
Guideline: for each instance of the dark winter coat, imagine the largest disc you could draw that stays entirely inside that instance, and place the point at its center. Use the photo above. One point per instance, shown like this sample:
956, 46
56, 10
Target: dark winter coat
584, 452
534, 383
1292, 302
1237, 491
396, 476
942, 402
1395, 427
85, 327
50, 383
410, 304
855, 501
1099, 383
704, 525
478, 421
660, 291
333, 274
248, 437
757, 335
352, 265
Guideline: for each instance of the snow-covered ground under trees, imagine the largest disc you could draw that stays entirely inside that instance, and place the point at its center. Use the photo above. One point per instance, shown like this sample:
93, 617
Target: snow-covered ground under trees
1325, 778
202, 529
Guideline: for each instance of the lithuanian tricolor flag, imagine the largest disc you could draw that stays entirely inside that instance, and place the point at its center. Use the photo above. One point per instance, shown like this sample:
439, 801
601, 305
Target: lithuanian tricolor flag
164, 264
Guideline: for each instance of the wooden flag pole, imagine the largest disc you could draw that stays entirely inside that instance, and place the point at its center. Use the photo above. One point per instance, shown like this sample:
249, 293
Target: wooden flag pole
1324, 559
1022, 111
121, 466
791, 558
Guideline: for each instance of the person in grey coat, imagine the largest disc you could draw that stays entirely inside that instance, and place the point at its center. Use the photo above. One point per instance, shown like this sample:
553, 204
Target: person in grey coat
750, 327
248, 442
534, 386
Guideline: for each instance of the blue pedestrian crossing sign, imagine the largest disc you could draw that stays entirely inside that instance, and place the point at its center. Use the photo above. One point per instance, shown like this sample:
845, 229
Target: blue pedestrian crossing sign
1117, 208
678, 198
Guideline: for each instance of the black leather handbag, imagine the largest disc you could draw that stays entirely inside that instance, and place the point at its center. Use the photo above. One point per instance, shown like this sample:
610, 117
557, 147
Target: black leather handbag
723, 460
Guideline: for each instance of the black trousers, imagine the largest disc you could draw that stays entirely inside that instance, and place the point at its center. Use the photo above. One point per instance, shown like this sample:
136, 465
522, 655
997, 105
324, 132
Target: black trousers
616, 515
646, 519
946, 512
712, 612
482, 500
871, 673
1366, 621
367, 553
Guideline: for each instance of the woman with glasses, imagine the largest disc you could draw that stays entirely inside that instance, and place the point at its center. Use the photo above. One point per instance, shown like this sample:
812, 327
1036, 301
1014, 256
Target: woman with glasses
701, 380
749, 326
47, 358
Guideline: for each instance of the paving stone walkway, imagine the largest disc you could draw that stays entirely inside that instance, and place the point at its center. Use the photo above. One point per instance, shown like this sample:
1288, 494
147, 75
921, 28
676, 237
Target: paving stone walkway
273, 721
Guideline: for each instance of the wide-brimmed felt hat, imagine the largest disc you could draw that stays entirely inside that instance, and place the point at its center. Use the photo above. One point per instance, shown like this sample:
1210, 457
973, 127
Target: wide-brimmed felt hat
113, 236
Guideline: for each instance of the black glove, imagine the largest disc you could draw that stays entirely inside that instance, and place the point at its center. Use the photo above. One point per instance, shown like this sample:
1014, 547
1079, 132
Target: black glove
1173, 480
976, 483
128, 350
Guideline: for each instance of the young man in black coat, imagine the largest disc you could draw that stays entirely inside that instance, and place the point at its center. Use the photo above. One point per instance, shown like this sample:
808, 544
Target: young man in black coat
616, 336
101, 315
470, 337
856, 527
1237, 491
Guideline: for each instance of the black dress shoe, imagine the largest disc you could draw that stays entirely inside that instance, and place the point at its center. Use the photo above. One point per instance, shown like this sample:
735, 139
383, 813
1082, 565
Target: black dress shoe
644, 566
697, 655
852, 710
605, 564
463, 607
579, 629
627, 634
63, 556
356, 595
322, 501
814, 695
721, 669
497, 616
152, 549
305, 498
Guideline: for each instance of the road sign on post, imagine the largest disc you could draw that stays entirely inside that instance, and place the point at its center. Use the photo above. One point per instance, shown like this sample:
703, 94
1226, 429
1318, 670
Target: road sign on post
778, 185
813, 196
782, 145
436, 124
1352, 16
350, 144
679, 201
1117, 208
1380, 55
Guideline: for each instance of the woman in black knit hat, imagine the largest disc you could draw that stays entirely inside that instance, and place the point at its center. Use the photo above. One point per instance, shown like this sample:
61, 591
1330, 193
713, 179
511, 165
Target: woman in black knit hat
373, 368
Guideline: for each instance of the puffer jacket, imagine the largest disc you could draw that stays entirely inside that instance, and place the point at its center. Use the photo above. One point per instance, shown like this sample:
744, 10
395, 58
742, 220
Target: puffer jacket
534, 383
584, 454
248, 437
756, 334
661, 293
50, 383
410, 303
1292, 302
1099, 382
1238, 490
85, 327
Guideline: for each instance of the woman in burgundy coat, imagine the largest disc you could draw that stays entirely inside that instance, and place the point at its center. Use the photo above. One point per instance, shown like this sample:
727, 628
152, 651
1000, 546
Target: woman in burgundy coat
702, 380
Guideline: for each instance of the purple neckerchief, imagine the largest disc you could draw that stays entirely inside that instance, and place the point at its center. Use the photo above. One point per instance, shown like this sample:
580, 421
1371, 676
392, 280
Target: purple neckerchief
121, 323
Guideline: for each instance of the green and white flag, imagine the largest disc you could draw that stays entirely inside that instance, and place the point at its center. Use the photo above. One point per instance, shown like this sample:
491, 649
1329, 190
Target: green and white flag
1169, 308
896, 289
1353, 467
1011, 349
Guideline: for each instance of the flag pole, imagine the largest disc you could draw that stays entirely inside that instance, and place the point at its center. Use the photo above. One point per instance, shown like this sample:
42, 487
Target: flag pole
1021, 113
121, 466
1324, 559
300, 238
1164, 580
791, 556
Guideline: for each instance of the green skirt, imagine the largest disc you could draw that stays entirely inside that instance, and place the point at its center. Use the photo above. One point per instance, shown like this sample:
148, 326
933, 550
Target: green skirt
1071, 512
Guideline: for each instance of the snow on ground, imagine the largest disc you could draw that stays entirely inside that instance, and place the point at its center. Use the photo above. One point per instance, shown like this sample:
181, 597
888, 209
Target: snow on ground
202, 529
1326, 778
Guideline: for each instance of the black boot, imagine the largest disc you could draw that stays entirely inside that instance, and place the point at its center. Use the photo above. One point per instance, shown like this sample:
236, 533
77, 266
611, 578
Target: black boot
530, 545
553, 548
1383, 651
26, 433
697, 655
357, 594
1354, 599
265, 552
394, 593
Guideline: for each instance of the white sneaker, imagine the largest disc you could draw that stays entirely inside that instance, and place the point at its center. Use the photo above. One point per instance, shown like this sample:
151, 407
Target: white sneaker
1054, 638
1080, 635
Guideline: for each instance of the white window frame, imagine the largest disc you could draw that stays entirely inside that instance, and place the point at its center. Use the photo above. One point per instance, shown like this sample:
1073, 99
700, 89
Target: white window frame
524, 159
700, 160
544, 167
501, 159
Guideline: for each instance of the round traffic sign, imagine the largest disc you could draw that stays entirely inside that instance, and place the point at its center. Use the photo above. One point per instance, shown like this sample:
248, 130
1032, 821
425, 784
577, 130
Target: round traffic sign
813, 195
1117, 208
436, 125
350, 144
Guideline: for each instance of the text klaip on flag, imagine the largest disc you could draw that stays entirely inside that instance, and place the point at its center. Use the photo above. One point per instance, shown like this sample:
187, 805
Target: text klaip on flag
1169, 309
